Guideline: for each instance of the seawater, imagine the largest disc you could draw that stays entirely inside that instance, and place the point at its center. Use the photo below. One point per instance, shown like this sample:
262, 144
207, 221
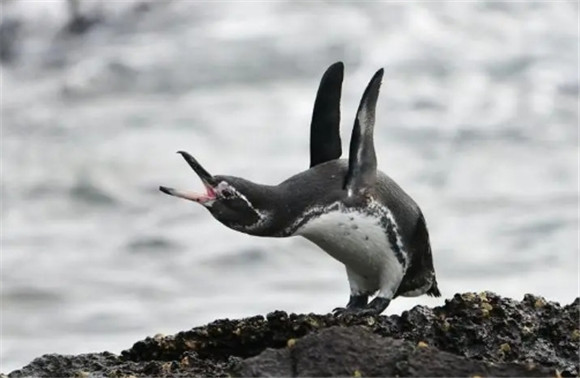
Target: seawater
477, 120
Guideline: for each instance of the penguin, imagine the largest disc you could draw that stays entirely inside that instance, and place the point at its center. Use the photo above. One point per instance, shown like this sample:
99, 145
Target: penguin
350, 209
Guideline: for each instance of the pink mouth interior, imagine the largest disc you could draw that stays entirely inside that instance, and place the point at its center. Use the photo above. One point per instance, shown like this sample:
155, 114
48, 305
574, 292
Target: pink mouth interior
210, 195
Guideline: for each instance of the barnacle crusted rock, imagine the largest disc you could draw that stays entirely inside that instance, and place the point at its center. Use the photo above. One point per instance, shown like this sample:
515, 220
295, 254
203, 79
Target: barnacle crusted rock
471, 334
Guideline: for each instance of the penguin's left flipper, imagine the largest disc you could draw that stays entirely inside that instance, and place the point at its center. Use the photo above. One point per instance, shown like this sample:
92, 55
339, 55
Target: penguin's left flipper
325, 144
362, 160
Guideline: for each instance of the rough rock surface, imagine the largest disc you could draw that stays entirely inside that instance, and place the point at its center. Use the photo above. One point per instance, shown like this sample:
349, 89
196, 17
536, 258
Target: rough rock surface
472, 334
339, 352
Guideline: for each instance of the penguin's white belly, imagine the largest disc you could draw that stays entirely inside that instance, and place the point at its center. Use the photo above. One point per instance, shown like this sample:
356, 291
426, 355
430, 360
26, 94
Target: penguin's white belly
358, 241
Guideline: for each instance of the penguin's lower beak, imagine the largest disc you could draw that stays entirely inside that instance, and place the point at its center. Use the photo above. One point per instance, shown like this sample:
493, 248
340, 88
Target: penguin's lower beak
206, 178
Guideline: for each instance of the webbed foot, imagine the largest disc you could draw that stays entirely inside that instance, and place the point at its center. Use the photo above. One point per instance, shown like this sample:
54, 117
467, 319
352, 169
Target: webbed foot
355, 304
376, 307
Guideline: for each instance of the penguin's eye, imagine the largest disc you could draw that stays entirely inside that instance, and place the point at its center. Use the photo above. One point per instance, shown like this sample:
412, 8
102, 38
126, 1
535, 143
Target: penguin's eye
227, 193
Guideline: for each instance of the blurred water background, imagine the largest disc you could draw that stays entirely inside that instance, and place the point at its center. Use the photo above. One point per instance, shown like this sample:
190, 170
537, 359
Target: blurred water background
477, 120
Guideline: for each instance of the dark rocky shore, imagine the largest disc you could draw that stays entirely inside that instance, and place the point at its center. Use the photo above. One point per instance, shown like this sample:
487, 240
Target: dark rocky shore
471, 335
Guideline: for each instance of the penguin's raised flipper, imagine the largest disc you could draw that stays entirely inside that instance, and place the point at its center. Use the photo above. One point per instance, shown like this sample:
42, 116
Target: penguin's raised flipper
362, 160
325, 142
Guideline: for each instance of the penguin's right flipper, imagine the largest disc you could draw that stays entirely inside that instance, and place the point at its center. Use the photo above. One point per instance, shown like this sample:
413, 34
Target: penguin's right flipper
325, 142
362, 160
420, 276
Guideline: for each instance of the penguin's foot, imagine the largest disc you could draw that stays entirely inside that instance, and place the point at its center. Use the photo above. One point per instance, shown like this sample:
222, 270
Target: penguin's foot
376, 307
355, 304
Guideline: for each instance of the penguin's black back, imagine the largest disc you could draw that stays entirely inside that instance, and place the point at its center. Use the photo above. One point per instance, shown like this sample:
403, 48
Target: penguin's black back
323, 185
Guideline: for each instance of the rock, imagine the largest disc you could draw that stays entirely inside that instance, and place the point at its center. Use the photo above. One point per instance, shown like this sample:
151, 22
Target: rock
472, 334
354, 351
62, 366
96, 365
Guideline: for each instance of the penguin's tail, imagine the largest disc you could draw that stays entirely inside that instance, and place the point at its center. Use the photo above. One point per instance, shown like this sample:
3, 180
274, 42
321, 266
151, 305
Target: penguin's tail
434, 290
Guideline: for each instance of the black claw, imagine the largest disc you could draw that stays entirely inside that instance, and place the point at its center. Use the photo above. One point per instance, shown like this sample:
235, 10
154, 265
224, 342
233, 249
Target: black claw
339, 311
343, 311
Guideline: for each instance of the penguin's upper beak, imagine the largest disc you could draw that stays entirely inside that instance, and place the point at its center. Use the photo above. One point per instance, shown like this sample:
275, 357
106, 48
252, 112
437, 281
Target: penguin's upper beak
206, 178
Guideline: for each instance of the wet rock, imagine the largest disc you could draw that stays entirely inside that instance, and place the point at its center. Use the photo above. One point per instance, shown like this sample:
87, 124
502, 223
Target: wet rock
472, 334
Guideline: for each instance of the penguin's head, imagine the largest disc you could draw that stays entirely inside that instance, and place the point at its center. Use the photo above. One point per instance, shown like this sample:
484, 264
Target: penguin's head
231, 200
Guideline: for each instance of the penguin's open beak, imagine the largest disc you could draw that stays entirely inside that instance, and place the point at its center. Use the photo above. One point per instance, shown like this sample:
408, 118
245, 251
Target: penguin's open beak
206, 178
